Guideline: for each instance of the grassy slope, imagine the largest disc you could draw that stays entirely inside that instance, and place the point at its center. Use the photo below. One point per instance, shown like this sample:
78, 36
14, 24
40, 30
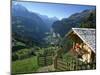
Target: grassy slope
25, 65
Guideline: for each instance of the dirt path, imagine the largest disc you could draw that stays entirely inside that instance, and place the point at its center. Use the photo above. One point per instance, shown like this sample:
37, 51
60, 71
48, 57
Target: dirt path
46, 69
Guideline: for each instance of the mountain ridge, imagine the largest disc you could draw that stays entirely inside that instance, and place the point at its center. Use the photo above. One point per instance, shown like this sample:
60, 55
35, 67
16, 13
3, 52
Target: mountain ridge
64, 25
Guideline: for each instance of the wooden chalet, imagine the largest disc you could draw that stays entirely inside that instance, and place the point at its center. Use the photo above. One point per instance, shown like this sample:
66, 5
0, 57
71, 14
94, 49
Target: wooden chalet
84, 43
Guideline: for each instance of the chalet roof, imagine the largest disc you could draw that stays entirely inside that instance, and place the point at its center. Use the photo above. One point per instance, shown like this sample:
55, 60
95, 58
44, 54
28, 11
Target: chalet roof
87, 35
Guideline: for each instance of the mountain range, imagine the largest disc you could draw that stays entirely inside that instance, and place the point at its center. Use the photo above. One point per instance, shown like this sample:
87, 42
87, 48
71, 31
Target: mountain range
29, 24
33, 26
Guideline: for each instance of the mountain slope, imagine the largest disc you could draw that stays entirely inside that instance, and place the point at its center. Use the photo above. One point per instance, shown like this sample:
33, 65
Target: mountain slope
74, 20
28, 24
48, 21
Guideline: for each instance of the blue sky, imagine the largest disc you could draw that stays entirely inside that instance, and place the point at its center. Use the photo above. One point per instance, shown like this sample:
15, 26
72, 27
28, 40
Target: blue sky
54, 10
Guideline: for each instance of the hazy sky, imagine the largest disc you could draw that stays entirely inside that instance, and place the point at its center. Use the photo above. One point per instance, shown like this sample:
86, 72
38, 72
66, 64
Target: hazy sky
54, 10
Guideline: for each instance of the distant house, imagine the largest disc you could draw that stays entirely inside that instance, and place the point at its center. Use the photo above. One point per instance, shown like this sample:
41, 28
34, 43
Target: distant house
84, 42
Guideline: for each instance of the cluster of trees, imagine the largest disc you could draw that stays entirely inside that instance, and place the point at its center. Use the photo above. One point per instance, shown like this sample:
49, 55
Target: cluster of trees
66, 44
23, 53
47, 51
28, 41
22, 47
90, 22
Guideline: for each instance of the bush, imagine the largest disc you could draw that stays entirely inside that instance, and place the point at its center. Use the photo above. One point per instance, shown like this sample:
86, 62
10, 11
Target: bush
23, 53
68, 57
67, 44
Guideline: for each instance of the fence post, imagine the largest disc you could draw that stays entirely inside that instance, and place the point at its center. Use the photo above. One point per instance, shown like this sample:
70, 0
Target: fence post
55, 62
38, 60
73, 64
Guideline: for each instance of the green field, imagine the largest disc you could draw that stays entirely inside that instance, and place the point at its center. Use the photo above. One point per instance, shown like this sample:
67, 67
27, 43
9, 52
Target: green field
25, 65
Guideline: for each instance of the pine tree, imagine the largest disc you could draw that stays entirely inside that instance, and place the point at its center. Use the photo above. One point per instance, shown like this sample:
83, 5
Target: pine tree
90, 22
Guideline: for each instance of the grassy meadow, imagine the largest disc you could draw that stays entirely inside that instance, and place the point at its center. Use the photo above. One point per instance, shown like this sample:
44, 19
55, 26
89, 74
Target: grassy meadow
25, 65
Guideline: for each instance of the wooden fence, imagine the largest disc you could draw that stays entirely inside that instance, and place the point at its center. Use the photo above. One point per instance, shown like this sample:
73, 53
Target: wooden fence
60, 65
44, 60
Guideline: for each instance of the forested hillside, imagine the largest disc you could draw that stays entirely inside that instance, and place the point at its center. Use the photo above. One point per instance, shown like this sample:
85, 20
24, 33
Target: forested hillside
84, 19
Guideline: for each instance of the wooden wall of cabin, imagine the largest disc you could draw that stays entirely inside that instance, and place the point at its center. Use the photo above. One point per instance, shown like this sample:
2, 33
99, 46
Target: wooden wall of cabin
93, 57
75, 38
70, 40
